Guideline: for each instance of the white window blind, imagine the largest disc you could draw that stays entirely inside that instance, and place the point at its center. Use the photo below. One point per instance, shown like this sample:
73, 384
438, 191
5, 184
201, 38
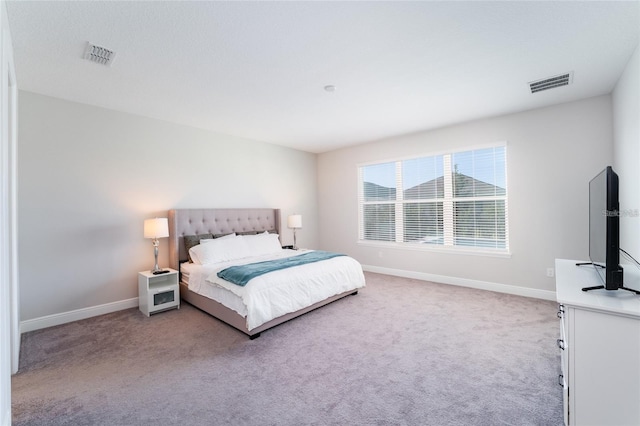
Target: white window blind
456, 199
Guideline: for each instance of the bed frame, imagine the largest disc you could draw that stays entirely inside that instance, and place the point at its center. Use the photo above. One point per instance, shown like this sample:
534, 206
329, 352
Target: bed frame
219, 222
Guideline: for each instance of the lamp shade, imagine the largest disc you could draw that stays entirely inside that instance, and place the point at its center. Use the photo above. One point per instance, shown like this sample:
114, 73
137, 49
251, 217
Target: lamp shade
294, 221
156, 228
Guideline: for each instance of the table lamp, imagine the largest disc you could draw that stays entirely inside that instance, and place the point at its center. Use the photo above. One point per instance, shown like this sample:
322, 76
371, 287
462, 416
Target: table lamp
156, 228
294, 221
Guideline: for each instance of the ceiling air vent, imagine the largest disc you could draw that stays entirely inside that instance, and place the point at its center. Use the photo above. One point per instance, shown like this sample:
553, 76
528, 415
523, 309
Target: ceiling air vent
99, 54
551, 82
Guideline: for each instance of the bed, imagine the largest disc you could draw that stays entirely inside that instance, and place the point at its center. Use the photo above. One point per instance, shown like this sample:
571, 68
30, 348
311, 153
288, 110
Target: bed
309, 286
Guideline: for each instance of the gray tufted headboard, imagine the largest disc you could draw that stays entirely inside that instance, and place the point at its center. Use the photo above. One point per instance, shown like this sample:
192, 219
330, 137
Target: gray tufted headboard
215, 221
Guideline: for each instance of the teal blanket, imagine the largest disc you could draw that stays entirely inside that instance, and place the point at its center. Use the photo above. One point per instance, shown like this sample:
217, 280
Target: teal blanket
241, 274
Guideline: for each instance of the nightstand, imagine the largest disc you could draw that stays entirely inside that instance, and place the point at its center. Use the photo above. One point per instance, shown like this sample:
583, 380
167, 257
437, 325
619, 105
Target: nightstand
158, 292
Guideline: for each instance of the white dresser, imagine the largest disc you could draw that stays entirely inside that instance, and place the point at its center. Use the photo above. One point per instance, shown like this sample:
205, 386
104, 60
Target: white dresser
600, 346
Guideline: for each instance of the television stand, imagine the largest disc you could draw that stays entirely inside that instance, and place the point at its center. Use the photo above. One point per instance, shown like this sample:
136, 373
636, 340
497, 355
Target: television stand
595, 287
589, 263
619, 288
601, 286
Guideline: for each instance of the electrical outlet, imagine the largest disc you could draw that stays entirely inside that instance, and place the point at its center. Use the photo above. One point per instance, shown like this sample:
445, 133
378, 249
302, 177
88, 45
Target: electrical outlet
550, 272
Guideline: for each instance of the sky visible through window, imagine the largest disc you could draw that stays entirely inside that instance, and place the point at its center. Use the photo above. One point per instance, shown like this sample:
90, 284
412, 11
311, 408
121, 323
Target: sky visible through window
486, 165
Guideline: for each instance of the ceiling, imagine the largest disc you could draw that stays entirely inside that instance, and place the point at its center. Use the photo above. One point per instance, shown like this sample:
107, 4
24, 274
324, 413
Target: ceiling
257, 70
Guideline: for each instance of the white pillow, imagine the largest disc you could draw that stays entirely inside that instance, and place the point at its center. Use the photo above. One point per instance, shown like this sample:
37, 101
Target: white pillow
264, 243
218, 250
208, 240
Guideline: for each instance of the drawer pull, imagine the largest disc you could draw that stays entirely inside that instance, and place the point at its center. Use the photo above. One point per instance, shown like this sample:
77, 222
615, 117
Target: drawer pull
560, 343
561, 380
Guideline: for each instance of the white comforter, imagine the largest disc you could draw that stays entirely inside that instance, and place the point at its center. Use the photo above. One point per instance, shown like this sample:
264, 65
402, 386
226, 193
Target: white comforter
280, 292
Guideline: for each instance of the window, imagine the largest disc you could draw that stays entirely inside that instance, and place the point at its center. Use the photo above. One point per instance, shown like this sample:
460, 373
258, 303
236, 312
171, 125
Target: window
455, 199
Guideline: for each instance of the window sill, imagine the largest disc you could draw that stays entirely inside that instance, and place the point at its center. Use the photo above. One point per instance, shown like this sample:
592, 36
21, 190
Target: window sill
438, 249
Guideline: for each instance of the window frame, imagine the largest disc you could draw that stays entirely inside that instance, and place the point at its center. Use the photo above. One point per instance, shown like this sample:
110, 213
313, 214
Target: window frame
448, 207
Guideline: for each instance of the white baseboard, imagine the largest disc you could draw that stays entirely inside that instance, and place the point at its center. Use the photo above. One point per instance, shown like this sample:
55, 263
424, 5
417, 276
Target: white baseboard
465, 282
79, 314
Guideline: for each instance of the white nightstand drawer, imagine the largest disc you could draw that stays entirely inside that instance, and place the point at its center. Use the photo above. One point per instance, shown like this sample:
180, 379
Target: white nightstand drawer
161, 289
158, 292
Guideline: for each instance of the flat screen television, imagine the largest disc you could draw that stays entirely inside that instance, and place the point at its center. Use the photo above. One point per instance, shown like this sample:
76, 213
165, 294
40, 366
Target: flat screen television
604, 229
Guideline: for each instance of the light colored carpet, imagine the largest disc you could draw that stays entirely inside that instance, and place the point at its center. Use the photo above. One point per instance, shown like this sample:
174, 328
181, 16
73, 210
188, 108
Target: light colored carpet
401, 352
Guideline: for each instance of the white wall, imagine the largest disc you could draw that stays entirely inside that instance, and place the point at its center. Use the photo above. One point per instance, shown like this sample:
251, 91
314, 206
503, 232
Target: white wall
626, 135
552, 154
88, 177
9, 327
